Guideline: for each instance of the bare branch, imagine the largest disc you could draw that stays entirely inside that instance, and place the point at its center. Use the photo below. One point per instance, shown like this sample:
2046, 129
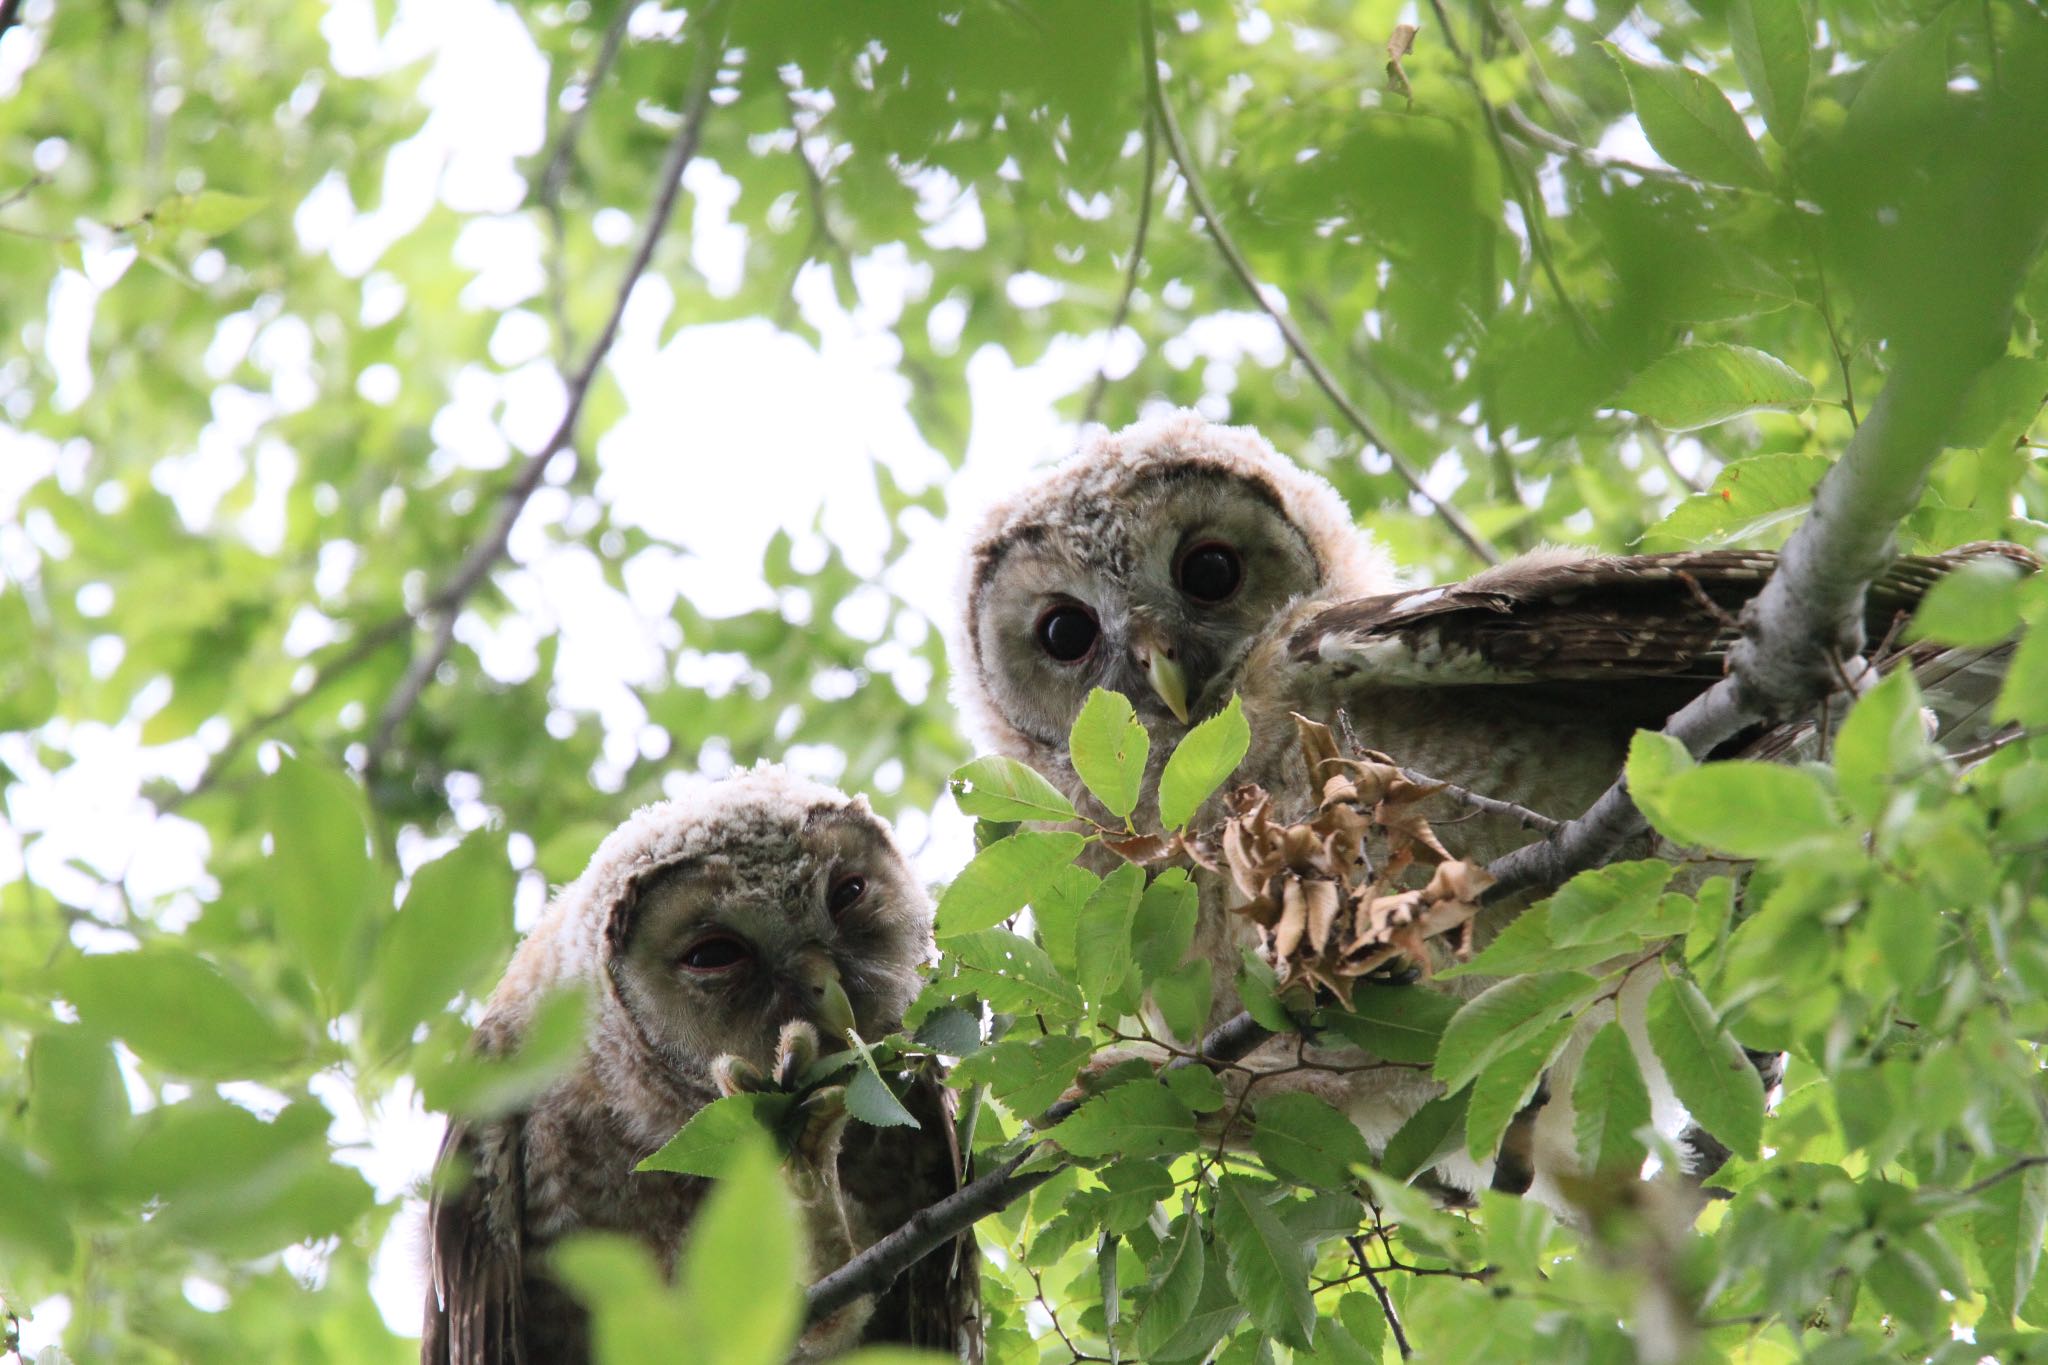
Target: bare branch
1198, 193
1093, 407
555, 178
447, 601
875, 1269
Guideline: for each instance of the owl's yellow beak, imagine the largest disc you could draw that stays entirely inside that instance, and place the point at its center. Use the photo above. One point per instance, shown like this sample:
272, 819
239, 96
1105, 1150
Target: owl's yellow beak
835, 1011
1169, 680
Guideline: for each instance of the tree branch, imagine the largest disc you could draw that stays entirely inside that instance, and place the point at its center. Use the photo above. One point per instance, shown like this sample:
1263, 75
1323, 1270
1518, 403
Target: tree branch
1198, 193
447, 601
561, 157
1093, 406
1804, 631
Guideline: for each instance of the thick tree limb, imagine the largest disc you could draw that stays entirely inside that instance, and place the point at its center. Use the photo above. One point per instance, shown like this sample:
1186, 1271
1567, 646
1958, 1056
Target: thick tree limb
1198, 194
446, 602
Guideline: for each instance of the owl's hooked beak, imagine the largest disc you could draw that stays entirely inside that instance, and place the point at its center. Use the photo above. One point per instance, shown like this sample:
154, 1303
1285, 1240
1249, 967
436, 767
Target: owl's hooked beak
818, 971
1169, 680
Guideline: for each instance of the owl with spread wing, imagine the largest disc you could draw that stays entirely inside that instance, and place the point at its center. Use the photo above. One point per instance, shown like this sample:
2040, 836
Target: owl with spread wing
1179, 563
721, 937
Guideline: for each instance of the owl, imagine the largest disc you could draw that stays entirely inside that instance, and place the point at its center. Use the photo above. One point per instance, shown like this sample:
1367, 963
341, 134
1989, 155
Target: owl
1180, 562
718, 935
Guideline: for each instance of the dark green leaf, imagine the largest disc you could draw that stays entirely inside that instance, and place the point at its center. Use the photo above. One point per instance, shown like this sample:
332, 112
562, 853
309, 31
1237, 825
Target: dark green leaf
1265, 1266
1303, 1138
1706, 1067
1610, 1105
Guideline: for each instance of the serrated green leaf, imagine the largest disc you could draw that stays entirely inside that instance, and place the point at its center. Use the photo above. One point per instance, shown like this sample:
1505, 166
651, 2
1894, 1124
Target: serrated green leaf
1165, 927
1706, 1066
1774, 52
1504, 1017
2024, 698
324, 886
741, 1264
1610, 1105
995, 787
1430, 1134
1749, 809
1265, 1266
1137, 1118
1012, 974
950, 1032
1691, 124
453, 932
1109, 748
869, 1099
1748, 498
1197, 1086
1882, 737
718, 1134
1604, 902
178, 1011
1525, 947
1697, 386
1204, 759
1026, 1074
1395, 1023
1176, 1289
1975, 603
1506, 1085
1002, 879
1102, 936
1183, 996
1304, 1139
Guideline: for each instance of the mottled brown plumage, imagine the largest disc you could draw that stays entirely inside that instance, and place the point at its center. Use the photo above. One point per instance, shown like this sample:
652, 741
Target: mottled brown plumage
1522, 683
704, 928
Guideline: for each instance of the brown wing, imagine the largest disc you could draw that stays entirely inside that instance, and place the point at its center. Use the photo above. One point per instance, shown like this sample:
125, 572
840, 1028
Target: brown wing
896, 1172
476, 1309
1546, 619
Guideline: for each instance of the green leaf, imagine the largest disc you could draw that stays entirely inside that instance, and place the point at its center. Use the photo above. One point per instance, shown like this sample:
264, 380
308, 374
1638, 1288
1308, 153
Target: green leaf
1748, 498
869, 1099
1002, 879
1507, 1085
1265, 1266
1745, 808
177, 1011
2024, 698
635, 1313
1304, 1139
1603, 902
1204, 759
1503, 1017
452, 935
1165, 928
1137, 1118
1882, 738
33, 1221
741, 1264
78, 1112
1525, 946
717, 1136
950, 1032
2010, 1226
1975, 603
1698, 386
1429, 1135
1026, 1074
1774, 53
323, 883
1109, 748
1610, 1105
1395, 1023
1102, 938
1196, 1086
209, 213
1176, 1288
999, 788
1654, 762
1706, 1066
1183, 996
482, 1087
1012, 974
1691, 124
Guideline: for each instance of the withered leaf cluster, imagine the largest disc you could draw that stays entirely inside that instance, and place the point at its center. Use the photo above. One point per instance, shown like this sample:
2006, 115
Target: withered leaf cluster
1332, 894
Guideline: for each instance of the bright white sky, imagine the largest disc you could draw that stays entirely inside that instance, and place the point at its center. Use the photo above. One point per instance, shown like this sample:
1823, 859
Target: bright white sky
712, 455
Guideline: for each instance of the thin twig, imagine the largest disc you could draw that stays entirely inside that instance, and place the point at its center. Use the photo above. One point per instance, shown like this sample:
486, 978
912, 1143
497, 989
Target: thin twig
561, 157
2004, 1173
1093, 407
1379, 1292
447, 601
1827, 315
1212, 221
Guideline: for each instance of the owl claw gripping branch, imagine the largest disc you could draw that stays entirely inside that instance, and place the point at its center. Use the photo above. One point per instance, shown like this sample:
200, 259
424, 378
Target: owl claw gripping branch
1329, 913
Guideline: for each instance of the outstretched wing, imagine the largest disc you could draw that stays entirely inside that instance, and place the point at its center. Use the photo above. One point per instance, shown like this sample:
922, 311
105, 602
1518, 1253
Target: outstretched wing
1548, 618
896, 1172
476, 1310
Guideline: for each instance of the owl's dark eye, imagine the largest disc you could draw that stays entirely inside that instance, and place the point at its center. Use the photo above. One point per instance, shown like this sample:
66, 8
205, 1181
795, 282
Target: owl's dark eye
845, 893
718, 953
1210, 572
1068, 632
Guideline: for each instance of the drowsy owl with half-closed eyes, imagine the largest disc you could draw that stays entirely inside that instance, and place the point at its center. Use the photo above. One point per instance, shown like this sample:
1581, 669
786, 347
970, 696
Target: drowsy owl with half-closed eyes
1178, 562
721, 936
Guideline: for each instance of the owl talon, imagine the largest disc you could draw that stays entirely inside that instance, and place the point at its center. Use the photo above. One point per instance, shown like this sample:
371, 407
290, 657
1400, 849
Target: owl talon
824, 1120
736, 1075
